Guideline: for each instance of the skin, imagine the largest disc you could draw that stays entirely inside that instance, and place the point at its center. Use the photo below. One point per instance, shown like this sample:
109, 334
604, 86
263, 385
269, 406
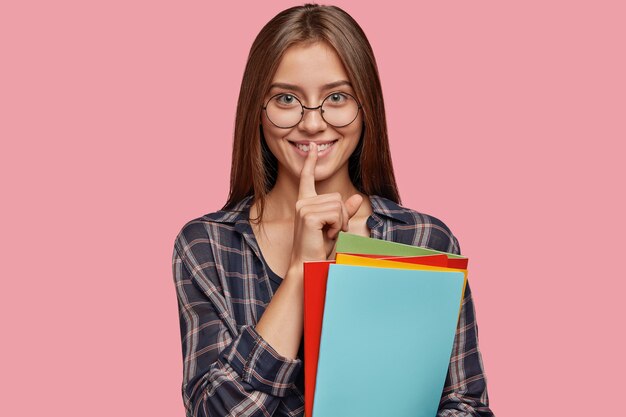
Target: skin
313, 198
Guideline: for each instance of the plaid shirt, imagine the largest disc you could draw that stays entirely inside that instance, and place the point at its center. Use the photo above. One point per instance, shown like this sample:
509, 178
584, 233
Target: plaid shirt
223, 285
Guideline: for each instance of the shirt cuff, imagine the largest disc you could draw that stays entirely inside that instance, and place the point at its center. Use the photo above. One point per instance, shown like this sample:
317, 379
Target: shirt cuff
259, 364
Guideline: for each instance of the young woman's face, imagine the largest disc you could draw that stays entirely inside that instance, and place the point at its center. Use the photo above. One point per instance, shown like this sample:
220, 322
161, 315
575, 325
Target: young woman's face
309, 69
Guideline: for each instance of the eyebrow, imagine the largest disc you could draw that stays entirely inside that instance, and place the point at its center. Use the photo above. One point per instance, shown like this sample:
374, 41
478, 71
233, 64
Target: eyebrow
297, 88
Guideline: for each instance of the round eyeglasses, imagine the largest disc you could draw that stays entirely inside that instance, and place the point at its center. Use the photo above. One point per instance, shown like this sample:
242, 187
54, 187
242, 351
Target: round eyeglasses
338, 109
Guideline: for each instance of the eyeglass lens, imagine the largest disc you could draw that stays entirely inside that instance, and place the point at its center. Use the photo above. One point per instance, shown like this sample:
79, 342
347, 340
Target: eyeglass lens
338, 109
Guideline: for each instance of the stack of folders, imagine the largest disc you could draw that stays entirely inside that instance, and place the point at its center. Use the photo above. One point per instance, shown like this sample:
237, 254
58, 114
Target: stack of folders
379, 326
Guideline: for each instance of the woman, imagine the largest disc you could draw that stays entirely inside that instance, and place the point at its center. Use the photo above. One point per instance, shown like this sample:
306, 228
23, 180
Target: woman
310, 158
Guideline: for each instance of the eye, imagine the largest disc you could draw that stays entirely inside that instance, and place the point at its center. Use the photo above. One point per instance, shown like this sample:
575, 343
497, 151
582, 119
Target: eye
286, 99
337, 98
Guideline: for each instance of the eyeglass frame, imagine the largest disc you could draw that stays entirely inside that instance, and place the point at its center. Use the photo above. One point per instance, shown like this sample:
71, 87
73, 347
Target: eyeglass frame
359, 107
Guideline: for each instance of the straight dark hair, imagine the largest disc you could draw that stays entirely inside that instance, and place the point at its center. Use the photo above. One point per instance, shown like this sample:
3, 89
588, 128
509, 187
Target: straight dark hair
254, 169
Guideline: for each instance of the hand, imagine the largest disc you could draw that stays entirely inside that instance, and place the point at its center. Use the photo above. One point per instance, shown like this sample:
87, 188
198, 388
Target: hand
319, 218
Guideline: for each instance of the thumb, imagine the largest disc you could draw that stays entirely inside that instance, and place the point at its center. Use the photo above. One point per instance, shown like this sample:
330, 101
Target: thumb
352, 204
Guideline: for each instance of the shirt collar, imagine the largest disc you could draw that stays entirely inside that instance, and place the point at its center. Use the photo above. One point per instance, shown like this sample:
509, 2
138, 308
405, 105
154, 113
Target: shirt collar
381, 208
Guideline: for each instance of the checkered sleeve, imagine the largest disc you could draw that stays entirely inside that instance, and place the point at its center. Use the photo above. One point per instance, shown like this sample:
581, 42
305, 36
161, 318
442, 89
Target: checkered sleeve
465, 389
227, 370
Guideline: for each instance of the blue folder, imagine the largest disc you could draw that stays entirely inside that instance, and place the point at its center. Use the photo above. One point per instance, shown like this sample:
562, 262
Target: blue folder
387, 337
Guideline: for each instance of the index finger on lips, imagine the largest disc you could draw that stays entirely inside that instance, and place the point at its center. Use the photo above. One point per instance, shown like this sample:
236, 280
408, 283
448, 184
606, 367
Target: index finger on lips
307, 175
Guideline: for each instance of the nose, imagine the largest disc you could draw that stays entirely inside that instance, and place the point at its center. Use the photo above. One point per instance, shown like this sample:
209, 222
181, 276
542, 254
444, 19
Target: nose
313, 122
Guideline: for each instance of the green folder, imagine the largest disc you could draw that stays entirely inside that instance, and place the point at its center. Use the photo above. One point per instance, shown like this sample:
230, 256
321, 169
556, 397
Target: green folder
351, 243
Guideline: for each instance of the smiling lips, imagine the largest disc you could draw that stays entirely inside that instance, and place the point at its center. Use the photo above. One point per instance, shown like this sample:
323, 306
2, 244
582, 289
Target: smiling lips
304, 149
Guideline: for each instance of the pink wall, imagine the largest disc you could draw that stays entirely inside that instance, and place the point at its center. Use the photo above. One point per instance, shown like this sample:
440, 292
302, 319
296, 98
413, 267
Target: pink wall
506, 121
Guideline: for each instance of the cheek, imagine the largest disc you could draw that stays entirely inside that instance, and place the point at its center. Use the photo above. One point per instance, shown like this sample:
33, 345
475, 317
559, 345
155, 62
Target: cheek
269, 134
357, 125
355, 131
273, 136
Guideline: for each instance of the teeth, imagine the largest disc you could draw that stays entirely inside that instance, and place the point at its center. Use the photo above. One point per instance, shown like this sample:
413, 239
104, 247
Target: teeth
320, 148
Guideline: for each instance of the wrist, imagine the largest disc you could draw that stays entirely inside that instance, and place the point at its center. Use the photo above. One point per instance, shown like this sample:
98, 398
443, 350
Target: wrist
296, 269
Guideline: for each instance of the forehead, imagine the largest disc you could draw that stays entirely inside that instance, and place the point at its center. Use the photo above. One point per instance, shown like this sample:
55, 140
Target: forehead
310, 66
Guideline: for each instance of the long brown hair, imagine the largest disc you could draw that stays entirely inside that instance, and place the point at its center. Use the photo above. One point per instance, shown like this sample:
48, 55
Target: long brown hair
254, 168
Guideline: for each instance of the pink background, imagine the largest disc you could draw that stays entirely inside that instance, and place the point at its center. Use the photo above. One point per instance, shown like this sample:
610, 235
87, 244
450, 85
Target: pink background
116, 120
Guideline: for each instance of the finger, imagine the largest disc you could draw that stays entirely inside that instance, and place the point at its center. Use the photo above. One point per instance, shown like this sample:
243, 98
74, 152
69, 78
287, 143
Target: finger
321, 198
333, 232
333, 252
345, 215
334, 226
307, 175
332, 207
352, 205
334, 198
329, 221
